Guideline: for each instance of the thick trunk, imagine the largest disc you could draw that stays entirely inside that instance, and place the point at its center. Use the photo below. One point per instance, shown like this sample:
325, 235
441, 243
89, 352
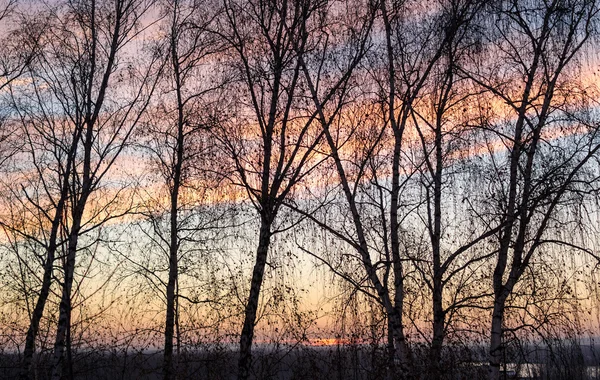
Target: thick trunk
402, 353
496, 339
391, 350
245, 360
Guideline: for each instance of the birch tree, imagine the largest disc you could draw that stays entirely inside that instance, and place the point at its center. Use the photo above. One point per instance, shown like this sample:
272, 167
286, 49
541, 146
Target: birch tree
77, 121
271, 138
176, 133
373, 156
549, 143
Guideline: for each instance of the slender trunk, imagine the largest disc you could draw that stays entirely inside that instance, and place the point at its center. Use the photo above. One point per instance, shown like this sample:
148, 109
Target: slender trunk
436, 237
177, 330
245, 360
435, 354
393, 311
402, 351
168, 367
38, 311
496, 347
172, 320
401, 347
64, 315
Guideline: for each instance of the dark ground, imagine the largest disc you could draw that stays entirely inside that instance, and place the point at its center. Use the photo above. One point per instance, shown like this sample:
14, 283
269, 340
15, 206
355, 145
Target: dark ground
561, 362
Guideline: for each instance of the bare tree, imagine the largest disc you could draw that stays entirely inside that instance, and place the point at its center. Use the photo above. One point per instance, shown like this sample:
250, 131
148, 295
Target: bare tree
271, 139
417, 151
375, 180
549, 145
20, 48
414, 79
177, 135
442, 124
43, 199
76, 126
105, 130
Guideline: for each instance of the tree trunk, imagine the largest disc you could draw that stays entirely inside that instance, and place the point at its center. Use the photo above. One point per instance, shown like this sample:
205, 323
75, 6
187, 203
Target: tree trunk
64, 315
58, 364
401, 347
402, 353
168, 367
436, 237
38, 312
391, 351
69, 348
245, 360
496, 339
435, 354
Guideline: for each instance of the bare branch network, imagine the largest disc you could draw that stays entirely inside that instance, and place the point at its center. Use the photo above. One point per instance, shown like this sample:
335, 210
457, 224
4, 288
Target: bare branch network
278, 189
